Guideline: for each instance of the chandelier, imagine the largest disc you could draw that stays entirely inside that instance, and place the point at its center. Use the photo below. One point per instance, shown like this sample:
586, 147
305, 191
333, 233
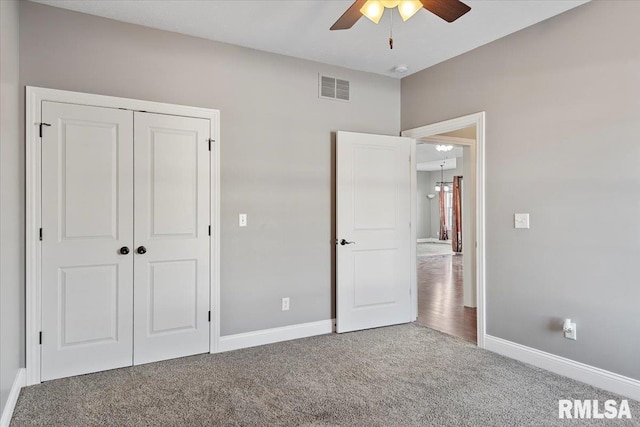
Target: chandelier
444, 148
442, 184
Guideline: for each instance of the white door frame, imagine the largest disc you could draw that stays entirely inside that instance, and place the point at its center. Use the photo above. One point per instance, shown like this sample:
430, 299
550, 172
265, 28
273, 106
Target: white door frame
34, 98
424, 132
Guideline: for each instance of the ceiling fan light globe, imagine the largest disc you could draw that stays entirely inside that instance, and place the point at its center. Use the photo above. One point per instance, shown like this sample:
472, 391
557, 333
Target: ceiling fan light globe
373, 9
446, 188
390, 4
437, 188
408, 8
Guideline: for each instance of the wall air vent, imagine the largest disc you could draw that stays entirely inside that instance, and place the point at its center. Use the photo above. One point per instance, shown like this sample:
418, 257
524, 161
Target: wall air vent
333, 88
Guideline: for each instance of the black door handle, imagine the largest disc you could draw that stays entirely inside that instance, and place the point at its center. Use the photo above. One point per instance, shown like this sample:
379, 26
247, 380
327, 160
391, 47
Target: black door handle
124, 250
141, 250
344, 242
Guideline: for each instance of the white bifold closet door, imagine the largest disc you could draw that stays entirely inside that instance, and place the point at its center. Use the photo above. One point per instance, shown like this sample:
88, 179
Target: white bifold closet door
171, 292
87, 217
125, 247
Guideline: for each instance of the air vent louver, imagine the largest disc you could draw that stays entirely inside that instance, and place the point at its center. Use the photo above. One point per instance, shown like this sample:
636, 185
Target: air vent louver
342, 89
333, 88
327, 87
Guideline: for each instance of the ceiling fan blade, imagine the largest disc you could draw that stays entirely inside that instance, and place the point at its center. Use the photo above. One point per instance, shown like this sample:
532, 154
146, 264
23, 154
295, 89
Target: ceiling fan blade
350, 17
449, 10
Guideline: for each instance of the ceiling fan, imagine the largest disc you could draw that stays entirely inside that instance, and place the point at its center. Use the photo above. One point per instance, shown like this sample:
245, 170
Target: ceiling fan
449, 10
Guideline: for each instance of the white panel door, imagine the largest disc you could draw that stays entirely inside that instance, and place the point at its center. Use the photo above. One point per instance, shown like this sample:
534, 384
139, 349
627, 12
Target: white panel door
87, 217
373, 216
172, 212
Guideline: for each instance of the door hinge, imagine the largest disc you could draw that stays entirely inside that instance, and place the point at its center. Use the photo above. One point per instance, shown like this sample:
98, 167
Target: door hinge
42, 124
40, 234
40, 337
210, 141
209, 316
209, 230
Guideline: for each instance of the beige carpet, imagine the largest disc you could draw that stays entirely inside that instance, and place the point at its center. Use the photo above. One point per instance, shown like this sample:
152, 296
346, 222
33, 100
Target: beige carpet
396, 376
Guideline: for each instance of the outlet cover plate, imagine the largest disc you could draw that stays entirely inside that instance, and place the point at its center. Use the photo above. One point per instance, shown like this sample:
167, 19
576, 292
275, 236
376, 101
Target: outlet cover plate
572, 335
521, 220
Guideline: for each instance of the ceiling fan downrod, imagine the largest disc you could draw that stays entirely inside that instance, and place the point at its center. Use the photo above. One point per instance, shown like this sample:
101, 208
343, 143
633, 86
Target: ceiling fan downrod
391, 30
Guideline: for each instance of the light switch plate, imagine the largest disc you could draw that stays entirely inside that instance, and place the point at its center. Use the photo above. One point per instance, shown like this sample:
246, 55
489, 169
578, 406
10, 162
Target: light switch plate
521, 220
242, 220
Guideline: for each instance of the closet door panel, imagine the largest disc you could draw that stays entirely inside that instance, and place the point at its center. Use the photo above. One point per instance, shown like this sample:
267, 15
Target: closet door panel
172, 211
87, 217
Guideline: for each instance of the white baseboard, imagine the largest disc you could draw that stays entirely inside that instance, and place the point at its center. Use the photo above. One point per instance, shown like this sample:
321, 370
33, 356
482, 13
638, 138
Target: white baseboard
591, 375
19, 382
269, 336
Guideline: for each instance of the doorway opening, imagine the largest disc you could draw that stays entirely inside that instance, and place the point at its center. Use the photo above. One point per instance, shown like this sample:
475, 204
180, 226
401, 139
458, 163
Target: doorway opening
447, 227
442, 259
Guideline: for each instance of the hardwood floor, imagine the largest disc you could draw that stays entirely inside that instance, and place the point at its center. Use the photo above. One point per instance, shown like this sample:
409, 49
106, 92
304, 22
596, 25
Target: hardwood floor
440, 303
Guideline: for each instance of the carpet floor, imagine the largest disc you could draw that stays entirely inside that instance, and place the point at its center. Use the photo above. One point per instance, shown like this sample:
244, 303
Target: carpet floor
403, 375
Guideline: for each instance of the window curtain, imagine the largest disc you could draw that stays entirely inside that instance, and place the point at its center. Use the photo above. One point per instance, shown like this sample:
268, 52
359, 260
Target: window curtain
444, 234
456, 227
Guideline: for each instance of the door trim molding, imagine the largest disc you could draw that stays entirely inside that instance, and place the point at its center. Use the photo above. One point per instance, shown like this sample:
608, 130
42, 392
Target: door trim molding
443, 139
34, 98
427, 133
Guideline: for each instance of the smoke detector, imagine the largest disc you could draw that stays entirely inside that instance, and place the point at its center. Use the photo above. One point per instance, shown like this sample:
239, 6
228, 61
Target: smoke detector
401, 69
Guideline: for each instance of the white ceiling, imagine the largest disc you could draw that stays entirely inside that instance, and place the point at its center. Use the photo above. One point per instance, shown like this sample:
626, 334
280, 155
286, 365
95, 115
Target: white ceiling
300, 28
430, 159
436, 165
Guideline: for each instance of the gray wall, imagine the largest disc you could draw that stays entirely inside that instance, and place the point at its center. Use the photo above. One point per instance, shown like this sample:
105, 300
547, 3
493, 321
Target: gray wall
429, 212
11, 205
277, 150
424, 208
563, 117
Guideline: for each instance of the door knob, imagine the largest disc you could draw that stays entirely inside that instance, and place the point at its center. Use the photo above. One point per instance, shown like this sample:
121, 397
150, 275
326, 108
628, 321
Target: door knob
124, 250
344, 242
141, 250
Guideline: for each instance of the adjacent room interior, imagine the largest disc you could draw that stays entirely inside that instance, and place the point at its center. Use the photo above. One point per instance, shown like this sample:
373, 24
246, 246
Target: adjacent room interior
445, 209
234, 212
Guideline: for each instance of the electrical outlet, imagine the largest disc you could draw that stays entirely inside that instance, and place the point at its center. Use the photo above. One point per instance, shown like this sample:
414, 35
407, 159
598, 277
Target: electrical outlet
521, 220
569, 329
242, 220
285, 304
